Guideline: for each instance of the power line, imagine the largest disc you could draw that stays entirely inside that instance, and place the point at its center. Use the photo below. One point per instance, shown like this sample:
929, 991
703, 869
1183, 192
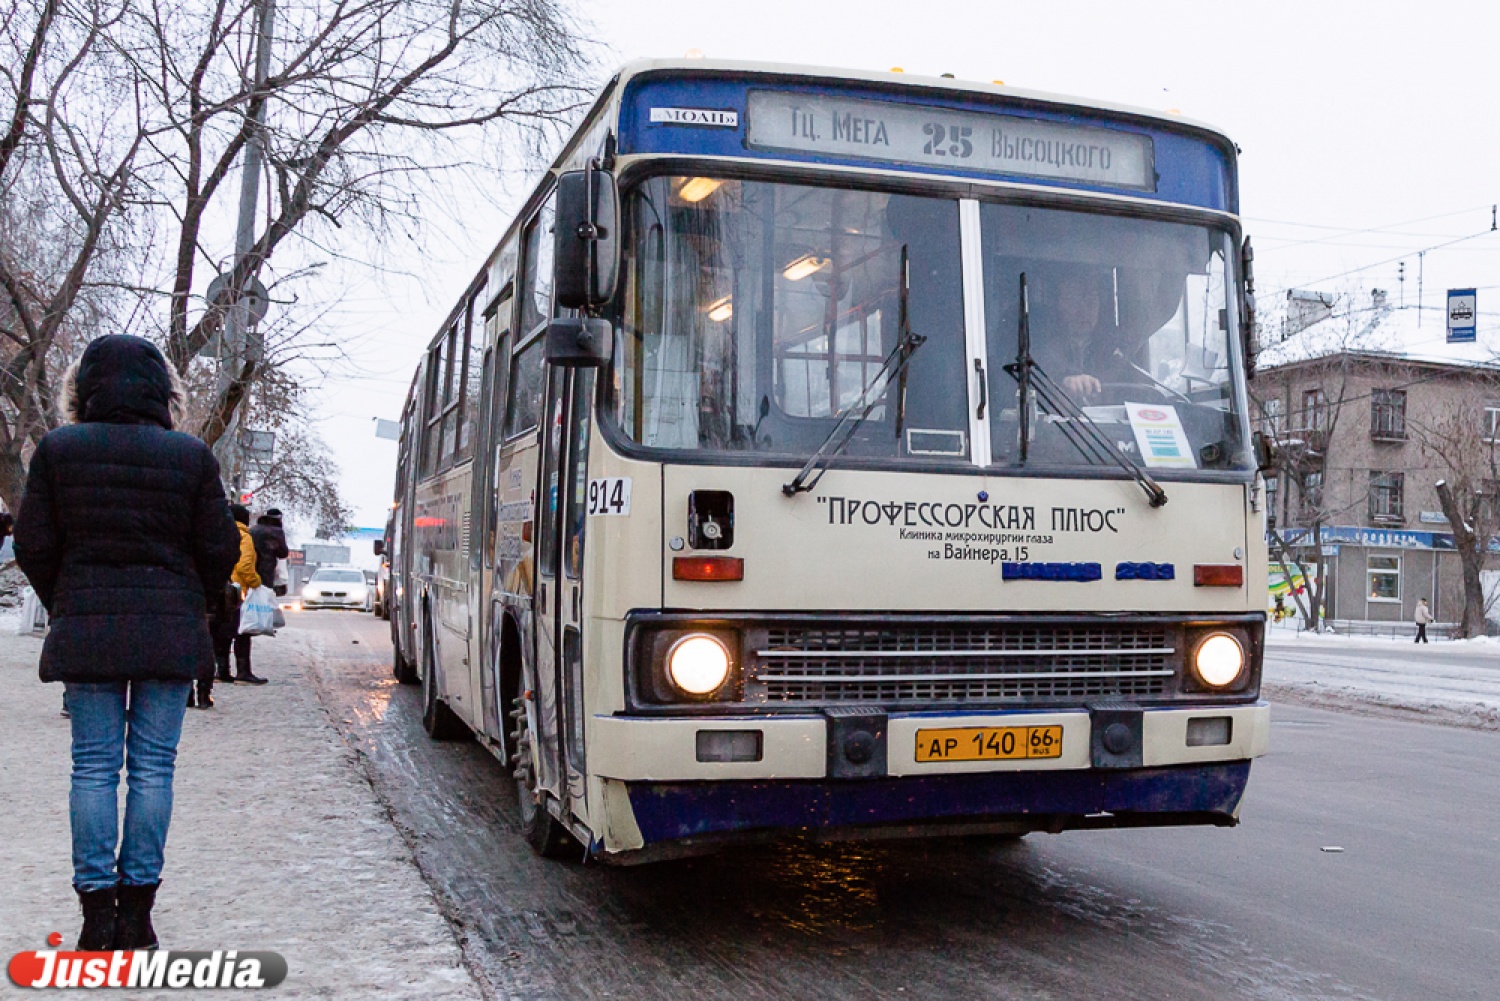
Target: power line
1389, 260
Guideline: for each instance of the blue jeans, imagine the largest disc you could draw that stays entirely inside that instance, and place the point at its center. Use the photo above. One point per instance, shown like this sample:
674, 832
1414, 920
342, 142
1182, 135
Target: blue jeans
106, 734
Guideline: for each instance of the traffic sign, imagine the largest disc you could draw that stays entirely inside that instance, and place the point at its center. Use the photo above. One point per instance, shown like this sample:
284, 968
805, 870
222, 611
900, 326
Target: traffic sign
1462, 311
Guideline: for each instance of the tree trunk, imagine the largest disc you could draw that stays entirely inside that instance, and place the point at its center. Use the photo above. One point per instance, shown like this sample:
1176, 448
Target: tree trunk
1317, 588
12, 480
1471, 556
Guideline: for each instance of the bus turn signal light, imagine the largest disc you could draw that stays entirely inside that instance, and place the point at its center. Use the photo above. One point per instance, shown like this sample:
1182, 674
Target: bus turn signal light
708, 568
1218, 575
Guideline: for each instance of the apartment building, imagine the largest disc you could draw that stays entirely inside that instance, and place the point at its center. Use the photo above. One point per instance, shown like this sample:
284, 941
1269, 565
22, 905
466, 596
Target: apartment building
1362, 405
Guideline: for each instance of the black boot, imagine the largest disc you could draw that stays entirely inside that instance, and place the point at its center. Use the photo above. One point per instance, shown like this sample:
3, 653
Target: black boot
98, 919
221, 672
133, 917
242, 673
205, 697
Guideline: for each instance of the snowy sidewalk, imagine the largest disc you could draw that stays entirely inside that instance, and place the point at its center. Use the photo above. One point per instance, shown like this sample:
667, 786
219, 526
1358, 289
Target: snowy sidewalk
1453, 681
277, 840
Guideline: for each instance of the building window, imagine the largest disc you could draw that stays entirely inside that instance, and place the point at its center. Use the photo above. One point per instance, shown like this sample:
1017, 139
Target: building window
1384, 573
1385, 497
1273, 417
1491, 421
1314, 410
1312, 494
1388, 414
1273, 496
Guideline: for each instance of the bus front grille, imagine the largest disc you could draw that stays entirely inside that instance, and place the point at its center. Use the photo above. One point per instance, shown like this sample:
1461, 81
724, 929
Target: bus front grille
1001, 662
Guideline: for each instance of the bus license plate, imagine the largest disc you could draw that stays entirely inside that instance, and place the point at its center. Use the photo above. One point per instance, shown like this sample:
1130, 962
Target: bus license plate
989, 743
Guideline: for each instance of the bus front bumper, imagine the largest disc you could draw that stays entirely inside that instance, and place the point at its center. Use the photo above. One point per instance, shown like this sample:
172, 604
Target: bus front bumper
662, 801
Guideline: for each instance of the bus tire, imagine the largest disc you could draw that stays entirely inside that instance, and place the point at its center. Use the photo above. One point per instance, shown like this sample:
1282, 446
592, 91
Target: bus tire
440, 722
401, 666
542, 832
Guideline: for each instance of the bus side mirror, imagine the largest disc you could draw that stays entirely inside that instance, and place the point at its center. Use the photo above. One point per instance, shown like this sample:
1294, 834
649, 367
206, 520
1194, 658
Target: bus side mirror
579, 342
379, 547
586, 246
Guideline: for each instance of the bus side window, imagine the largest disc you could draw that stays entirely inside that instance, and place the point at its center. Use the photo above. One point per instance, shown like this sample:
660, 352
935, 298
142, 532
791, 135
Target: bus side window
577, 483
551, 488
468, 399
432, 417
523, 405
452, 386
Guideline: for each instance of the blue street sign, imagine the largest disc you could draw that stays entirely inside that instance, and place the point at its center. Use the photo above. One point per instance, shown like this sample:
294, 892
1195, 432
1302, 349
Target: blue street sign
1462, 311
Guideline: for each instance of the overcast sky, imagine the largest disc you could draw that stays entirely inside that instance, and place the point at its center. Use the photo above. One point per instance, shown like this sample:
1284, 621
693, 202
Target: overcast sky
1368, 134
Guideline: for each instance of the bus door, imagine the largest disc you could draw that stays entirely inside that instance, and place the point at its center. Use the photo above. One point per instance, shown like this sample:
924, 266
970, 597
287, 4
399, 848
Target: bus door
481, 548
562, 494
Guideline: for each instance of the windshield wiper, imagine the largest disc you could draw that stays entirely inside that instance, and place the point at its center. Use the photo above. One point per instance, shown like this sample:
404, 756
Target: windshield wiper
893, 369
1076, 426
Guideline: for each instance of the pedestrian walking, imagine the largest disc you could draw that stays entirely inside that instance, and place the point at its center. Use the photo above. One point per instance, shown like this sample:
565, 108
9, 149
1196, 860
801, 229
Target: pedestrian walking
1423, 617
122, 530
229, 634
270, 546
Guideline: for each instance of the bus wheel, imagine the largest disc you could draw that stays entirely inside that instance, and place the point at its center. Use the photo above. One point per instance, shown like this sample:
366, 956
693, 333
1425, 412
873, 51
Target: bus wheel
404, 670
440, 722
540, 829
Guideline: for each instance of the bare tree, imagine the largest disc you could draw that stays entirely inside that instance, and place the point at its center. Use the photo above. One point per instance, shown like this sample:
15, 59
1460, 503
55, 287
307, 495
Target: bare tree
1305, 443
130, 118
1466, 453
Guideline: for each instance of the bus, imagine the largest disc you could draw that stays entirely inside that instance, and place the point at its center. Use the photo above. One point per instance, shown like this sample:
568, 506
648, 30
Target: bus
844, 455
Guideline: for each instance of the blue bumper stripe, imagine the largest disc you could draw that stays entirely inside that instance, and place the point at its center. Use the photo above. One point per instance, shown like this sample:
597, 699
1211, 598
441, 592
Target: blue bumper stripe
665, 811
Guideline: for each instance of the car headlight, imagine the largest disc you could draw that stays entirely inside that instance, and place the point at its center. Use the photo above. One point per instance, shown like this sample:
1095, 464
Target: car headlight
307, 592
1219, 660
698, 664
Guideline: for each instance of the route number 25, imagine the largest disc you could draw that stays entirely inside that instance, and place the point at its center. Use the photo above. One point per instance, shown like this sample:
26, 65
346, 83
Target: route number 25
950, 140
610, 495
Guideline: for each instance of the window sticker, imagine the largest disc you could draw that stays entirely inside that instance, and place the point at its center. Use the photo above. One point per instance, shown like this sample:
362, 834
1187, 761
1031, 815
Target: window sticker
1158, 432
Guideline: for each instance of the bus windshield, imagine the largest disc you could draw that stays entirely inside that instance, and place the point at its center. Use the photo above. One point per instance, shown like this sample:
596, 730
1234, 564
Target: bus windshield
755, 313
1132, 320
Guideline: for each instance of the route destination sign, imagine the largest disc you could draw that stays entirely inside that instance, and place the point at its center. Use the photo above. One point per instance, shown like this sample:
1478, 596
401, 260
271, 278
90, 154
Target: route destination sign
941, 137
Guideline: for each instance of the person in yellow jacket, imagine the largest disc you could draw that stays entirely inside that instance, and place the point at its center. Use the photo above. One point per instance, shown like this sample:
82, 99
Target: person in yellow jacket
226, 618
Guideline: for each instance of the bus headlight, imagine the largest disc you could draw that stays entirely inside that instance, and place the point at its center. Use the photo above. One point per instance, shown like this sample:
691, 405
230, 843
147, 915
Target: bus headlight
698, 664
1219, 660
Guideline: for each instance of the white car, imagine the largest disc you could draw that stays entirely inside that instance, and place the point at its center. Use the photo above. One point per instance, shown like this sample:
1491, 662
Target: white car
336, 587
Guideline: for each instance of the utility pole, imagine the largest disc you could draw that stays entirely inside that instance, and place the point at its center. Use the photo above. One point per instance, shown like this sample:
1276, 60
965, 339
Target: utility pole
1421, 258
239, 343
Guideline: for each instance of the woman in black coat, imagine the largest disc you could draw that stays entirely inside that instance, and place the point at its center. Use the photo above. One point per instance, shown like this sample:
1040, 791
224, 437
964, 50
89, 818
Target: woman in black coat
123, 529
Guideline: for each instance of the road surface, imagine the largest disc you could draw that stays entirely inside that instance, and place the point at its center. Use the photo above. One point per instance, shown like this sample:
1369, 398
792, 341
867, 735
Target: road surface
1405, 909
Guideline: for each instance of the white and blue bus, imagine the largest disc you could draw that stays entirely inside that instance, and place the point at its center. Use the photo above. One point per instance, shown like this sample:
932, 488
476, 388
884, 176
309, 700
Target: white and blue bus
829, 454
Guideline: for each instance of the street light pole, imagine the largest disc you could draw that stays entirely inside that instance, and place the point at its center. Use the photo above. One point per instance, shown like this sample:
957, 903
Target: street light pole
235, 346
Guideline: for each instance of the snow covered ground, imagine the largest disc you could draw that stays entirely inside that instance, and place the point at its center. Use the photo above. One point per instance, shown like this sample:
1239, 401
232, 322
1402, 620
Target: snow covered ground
277, 842
1448, 681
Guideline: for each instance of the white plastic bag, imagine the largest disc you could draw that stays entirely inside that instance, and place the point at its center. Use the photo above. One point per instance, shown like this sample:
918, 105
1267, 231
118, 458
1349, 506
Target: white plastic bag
33, 616
258, 613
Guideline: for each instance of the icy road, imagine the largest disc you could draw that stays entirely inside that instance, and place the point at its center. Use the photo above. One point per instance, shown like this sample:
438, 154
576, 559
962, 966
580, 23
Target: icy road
1365, 868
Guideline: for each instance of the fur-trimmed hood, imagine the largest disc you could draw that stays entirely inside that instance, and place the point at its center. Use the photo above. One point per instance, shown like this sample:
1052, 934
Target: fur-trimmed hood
122, 380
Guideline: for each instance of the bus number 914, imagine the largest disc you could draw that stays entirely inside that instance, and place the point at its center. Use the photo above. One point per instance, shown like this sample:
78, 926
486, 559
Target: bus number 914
610, 495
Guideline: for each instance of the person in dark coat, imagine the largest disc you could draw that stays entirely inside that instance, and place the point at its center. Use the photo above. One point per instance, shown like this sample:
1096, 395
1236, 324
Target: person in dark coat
270, 546
122, 530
